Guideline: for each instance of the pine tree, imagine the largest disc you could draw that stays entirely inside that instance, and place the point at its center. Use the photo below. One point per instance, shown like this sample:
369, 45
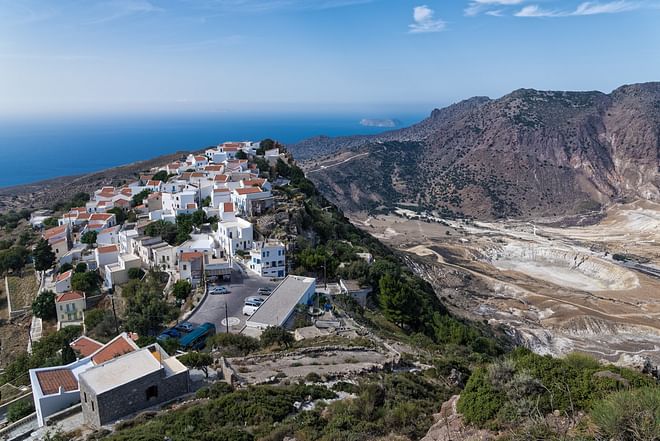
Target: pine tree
43, 255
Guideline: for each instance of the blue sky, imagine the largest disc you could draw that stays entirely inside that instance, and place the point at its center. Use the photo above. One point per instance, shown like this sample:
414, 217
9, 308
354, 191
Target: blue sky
72, 56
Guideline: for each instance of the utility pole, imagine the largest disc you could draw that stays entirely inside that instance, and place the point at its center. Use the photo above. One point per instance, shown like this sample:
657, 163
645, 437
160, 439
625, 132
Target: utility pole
226, 317
325, 273
114, 313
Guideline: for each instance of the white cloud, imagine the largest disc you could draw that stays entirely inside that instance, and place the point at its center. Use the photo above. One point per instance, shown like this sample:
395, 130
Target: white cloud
592, 8
425, 21
586, 8
476, 7
536, 11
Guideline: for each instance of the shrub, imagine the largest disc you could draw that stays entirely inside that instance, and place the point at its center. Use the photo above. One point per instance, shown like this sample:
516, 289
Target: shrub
234, 345
276, 335
93, 317
313, 377
19, 410
44, 305
135, 273
630, 415
480, 401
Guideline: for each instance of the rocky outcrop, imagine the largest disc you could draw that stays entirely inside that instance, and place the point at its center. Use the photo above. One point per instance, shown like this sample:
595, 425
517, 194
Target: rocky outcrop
526, 154
450, 426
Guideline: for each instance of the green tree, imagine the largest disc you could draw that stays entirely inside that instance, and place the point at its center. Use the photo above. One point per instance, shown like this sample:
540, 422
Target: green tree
135, 273
197, 360
68, 354
43, 255
44, 305
86, 282
165, 230
181, 289
120, 214
160, 176
50, 222
13, 259
81, 267
146, 309
233, 345
65, 267
276, 335
93, 317
19, 410
140, 197
241, 155
89, 237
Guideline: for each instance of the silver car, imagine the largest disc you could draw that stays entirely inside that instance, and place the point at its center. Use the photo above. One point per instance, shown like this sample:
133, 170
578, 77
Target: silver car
218, 290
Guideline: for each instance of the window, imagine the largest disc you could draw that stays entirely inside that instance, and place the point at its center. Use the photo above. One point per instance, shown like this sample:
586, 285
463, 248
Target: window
152, 392
85, 396
185, 267
92, 406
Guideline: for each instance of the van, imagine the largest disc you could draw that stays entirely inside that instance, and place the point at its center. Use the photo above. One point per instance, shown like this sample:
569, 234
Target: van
250, 308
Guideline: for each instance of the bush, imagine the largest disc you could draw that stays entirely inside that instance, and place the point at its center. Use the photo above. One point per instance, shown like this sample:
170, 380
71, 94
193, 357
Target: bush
216, 390
19, 410
480, 401
234, 345
44, 305
312, 377
135, 273
81, 267
182, 289
630, 415
93, 317
276, 335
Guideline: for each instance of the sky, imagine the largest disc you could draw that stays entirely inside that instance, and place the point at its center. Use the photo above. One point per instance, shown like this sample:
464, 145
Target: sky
88, 56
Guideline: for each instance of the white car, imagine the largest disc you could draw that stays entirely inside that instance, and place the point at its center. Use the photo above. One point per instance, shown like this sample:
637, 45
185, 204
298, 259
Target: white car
250, 308
218, 290
256, 300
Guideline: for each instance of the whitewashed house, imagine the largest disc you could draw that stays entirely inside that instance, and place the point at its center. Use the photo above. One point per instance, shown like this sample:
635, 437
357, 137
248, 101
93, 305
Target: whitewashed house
268, 259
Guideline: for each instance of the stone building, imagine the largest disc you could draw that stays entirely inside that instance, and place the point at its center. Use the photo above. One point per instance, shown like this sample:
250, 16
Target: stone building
131, 383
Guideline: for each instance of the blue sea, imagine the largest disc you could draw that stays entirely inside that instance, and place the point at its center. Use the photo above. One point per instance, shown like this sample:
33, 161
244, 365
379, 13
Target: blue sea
40, 148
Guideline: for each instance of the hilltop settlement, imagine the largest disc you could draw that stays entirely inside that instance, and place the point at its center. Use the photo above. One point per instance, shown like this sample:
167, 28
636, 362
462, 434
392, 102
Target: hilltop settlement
220, 296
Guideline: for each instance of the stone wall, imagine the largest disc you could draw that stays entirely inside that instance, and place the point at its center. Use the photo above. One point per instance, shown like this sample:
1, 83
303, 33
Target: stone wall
130, 397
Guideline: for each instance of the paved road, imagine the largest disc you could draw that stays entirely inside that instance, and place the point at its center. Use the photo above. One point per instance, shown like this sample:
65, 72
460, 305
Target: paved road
213, 309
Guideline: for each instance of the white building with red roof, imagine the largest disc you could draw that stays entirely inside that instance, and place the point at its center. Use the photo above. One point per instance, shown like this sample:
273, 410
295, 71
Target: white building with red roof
63, 282
252, 201
57, 388
70, 308
106, 255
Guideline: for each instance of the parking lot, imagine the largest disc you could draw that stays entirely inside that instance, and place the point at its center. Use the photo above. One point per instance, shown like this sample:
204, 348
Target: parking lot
242, 285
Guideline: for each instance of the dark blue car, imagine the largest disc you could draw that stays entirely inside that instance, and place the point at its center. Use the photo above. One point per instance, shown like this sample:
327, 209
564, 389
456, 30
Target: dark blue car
167, 334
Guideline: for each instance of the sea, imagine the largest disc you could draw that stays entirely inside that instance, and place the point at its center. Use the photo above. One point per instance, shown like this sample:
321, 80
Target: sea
34, 149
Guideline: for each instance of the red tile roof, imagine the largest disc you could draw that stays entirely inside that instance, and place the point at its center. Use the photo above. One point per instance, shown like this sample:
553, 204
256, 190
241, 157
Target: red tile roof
228, 207
254, 182
70, 296
100, 216
108, 249
64, 276
190, 256
197, 175
201, 158
221, 178
213, 168
51, 381
116, 348
153, 183
248, 190
54, 231
220, 190
85, 346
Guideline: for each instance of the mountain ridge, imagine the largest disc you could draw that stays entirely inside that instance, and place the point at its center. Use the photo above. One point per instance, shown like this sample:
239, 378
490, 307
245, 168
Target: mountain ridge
526, 154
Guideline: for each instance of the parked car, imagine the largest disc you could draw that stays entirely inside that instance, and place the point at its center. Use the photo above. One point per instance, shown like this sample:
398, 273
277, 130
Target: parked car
167, 334
250, 307
257, 300
184, 326
264, 291
218, 290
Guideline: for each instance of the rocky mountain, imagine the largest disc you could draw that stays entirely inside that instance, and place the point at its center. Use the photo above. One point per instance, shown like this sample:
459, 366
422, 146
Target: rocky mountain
529, 153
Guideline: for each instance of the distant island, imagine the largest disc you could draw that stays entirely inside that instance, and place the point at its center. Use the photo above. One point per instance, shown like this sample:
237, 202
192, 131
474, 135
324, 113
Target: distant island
384, 122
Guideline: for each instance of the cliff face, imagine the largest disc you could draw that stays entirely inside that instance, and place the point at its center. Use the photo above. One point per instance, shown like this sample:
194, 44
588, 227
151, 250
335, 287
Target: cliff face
528, 153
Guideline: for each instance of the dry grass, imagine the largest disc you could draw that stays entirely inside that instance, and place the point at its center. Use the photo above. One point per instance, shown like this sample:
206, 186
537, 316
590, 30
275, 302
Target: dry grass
23, 290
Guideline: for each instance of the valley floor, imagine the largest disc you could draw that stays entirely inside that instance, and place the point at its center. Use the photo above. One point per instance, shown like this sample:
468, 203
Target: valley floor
593, 289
